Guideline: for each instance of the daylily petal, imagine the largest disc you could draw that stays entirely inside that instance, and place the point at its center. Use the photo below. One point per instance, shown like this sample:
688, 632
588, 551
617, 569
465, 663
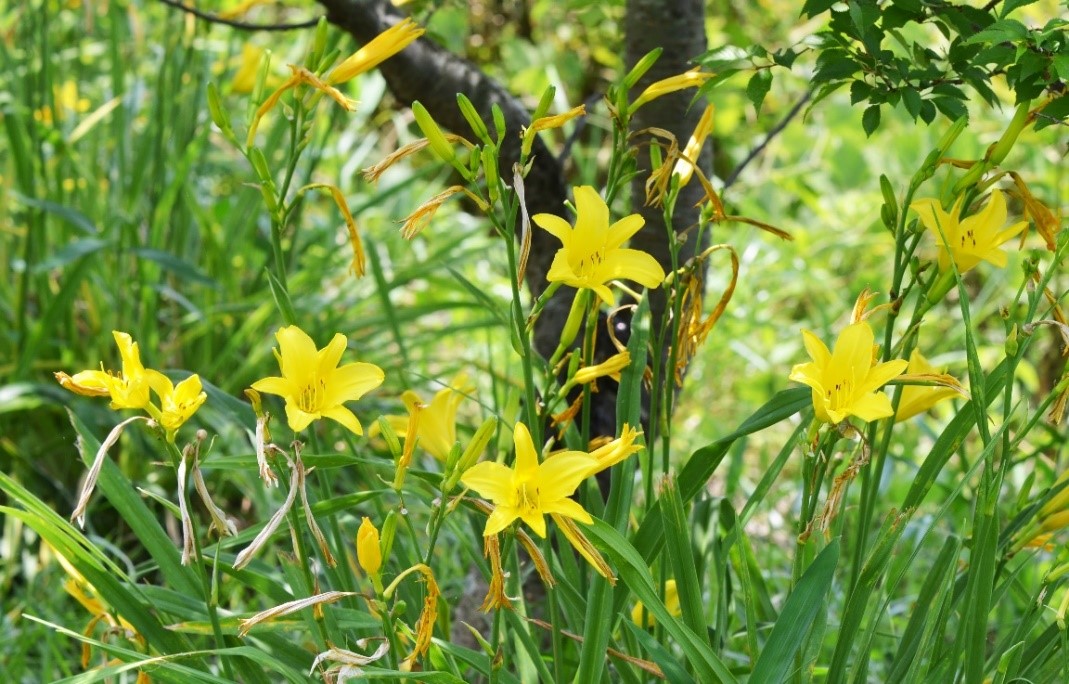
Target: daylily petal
330, 355
501, 518
297, 419
274, 385
536, 521
297, 353
818, 351
561, 271
871, 407
160, 383
621, 231
88, 383
491, 480
631, 264
555, 226
526, 456
880, 374
345, 417
592, 215
993, 214
569, 508
853, 349
821, 408
931, 214
561, 474
808, 374
352, 381
605, 294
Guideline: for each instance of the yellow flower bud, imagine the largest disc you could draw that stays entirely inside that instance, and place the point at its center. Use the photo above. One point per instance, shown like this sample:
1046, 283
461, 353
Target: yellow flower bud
368, 552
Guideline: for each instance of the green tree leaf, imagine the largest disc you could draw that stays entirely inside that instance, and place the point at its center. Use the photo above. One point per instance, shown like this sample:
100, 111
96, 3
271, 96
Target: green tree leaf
870, 120
758, 87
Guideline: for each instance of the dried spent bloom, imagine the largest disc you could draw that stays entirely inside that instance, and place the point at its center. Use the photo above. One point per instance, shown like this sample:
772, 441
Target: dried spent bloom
846, 382
970, 240
313, 384
592, 253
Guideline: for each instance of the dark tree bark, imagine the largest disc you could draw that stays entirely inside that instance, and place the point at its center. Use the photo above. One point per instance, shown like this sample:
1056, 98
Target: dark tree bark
678, 27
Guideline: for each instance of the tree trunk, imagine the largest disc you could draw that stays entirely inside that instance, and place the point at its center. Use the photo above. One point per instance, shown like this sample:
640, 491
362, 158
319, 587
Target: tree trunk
678, 27
427, 72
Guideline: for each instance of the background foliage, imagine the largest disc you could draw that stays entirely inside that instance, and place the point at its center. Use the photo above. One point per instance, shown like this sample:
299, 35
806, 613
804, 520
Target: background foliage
122, 208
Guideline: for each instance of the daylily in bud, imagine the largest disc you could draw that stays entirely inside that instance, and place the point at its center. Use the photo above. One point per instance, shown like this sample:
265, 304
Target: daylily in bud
545, 123
973, 239
128, 389
382, 47
368, 550
919, 398
592, 253
313, 384
846, 382
688, 79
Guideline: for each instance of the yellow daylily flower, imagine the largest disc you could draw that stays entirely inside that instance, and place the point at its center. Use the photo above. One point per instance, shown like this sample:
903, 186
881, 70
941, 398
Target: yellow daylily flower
919, 398
531, 490
437, 425
368, 550
177, 403
128, 389
313, 384
845, 382
973, 239
592, 253
382, 47
671, 602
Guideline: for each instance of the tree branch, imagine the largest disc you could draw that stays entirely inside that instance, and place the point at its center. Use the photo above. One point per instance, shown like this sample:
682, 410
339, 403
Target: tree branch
241, 25
776, 130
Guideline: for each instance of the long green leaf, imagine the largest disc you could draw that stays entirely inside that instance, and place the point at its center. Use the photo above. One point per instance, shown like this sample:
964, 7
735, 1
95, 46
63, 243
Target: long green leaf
796, 618
636, 577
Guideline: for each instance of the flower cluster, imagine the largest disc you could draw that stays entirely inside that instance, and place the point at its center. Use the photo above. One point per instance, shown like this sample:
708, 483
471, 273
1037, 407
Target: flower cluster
130, 388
